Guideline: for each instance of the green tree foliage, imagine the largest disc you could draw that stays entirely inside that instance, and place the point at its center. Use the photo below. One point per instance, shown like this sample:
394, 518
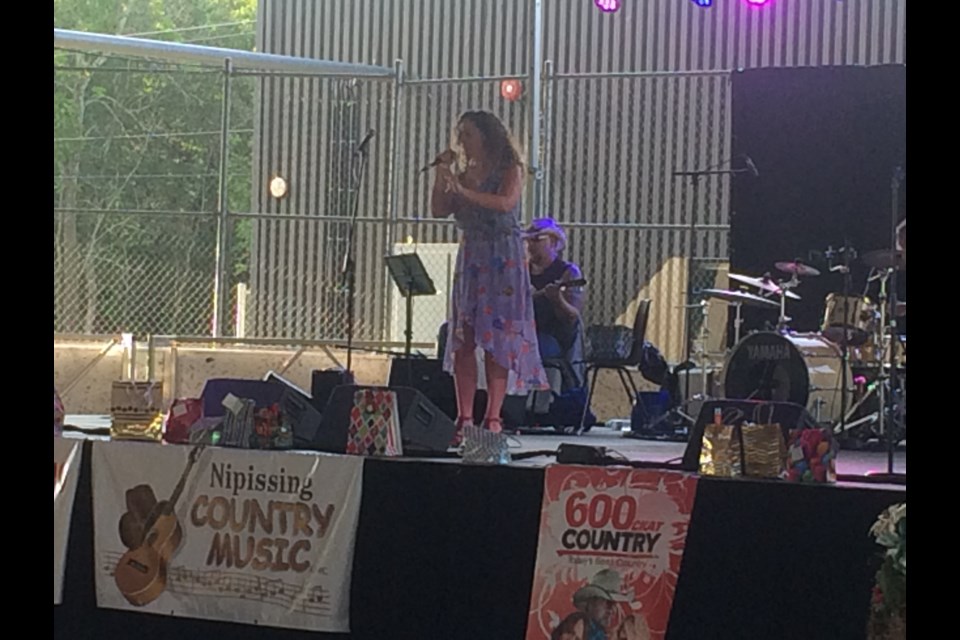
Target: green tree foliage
136, 162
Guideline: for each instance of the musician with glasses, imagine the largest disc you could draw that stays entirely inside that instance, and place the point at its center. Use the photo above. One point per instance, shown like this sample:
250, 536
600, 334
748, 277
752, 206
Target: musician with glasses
556, 306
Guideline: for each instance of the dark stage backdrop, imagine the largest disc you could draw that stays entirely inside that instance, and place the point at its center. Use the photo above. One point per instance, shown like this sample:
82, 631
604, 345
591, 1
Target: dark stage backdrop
826, 142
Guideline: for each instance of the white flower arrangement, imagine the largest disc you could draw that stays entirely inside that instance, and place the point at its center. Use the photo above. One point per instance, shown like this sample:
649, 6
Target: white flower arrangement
888, 606
890, 530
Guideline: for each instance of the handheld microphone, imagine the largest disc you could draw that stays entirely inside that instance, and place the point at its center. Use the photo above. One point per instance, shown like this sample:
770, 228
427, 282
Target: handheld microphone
435, 162
442, 158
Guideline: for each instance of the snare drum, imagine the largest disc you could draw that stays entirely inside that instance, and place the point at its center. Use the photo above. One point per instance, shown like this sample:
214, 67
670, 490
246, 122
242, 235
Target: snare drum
800, 368
860, 321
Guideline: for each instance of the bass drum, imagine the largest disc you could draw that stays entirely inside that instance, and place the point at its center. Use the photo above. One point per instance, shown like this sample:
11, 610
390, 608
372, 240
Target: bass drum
801, 368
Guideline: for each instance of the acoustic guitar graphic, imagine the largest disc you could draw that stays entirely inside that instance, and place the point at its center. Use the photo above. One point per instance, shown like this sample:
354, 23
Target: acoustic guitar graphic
152, 533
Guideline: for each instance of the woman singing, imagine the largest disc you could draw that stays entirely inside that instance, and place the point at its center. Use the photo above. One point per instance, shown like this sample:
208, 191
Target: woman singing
491, 301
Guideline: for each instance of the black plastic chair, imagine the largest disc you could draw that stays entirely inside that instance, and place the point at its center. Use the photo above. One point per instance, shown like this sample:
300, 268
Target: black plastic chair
621, 365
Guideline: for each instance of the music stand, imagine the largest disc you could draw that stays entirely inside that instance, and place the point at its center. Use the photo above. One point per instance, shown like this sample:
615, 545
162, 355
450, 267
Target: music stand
412, 279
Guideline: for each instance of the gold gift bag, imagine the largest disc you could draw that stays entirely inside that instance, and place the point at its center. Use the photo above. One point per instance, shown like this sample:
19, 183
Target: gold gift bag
763, 450
136, 410
720, 451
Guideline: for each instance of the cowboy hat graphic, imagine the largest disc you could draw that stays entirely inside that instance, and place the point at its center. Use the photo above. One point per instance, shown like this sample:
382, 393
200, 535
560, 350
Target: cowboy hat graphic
605, 585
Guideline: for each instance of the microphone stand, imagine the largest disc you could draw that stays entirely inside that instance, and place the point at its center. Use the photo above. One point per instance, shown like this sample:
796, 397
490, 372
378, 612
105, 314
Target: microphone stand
889, 301
898, 176
696, 175
348, 270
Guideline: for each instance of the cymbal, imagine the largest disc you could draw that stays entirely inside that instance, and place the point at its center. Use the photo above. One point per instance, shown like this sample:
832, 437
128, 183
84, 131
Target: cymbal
764, 284
741, 297
797, 268
884, 259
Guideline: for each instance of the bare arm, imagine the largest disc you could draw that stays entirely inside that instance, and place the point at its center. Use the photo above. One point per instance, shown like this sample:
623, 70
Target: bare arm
505, 199
567, 302
442, 201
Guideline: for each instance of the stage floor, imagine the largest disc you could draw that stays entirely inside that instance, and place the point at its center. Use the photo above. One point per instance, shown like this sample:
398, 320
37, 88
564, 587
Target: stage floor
859, 463
849, 462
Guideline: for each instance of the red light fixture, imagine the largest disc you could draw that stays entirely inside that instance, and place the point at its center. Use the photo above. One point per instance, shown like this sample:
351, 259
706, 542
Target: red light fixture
511, 90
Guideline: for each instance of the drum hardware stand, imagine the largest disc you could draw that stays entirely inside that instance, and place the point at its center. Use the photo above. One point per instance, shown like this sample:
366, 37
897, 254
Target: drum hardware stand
737, 322
701, 350
864, 420
847, 252
819, 402
783, 322
883, 377
872, 418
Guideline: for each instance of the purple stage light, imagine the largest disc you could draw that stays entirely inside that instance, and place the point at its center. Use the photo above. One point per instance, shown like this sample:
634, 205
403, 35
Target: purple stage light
608, 6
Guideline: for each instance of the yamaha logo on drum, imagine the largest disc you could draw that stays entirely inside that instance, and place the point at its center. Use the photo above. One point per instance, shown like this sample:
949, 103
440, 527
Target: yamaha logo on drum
768, 351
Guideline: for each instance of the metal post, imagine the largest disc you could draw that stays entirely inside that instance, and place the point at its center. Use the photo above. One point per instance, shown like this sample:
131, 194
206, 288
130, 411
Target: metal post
394, 172
394, 153
536, 66
547, 133
220, 278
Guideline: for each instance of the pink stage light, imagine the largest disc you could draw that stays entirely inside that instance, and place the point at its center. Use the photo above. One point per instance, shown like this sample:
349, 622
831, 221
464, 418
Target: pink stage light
608, 6
757, 3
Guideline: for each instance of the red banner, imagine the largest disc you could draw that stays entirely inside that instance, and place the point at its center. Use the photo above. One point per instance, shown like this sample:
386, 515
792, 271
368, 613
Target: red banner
611, 543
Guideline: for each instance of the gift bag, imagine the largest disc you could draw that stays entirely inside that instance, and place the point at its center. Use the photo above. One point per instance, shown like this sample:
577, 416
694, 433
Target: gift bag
271, 430
136, 398
811, 455
135, 410
237, 422
720, 451
609, 342
763, 450
481, 446
763, 445
184, 412
374, 424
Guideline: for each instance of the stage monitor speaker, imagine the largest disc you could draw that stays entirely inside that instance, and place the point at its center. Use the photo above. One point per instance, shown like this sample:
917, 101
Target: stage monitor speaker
423, 426
262, 392
275, 378
427, 376
736, 412
303, 418
322, 384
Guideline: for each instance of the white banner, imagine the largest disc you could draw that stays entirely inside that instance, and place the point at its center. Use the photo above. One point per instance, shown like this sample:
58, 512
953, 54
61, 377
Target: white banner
66, 469
254, 537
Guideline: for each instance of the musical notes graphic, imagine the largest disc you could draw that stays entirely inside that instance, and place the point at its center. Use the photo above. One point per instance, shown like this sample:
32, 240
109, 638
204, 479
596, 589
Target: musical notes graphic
310, 600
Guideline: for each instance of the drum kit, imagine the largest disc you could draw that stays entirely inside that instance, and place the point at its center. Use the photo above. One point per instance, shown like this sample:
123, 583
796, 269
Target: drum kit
844, 372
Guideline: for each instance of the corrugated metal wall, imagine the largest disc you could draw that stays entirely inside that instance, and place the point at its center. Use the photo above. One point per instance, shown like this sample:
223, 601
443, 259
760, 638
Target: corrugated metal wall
616, 126
677, 35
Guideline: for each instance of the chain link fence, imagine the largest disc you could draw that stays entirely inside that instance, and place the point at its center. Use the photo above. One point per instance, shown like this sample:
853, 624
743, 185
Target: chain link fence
137, 192
136, 155
309, 133
613, 149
